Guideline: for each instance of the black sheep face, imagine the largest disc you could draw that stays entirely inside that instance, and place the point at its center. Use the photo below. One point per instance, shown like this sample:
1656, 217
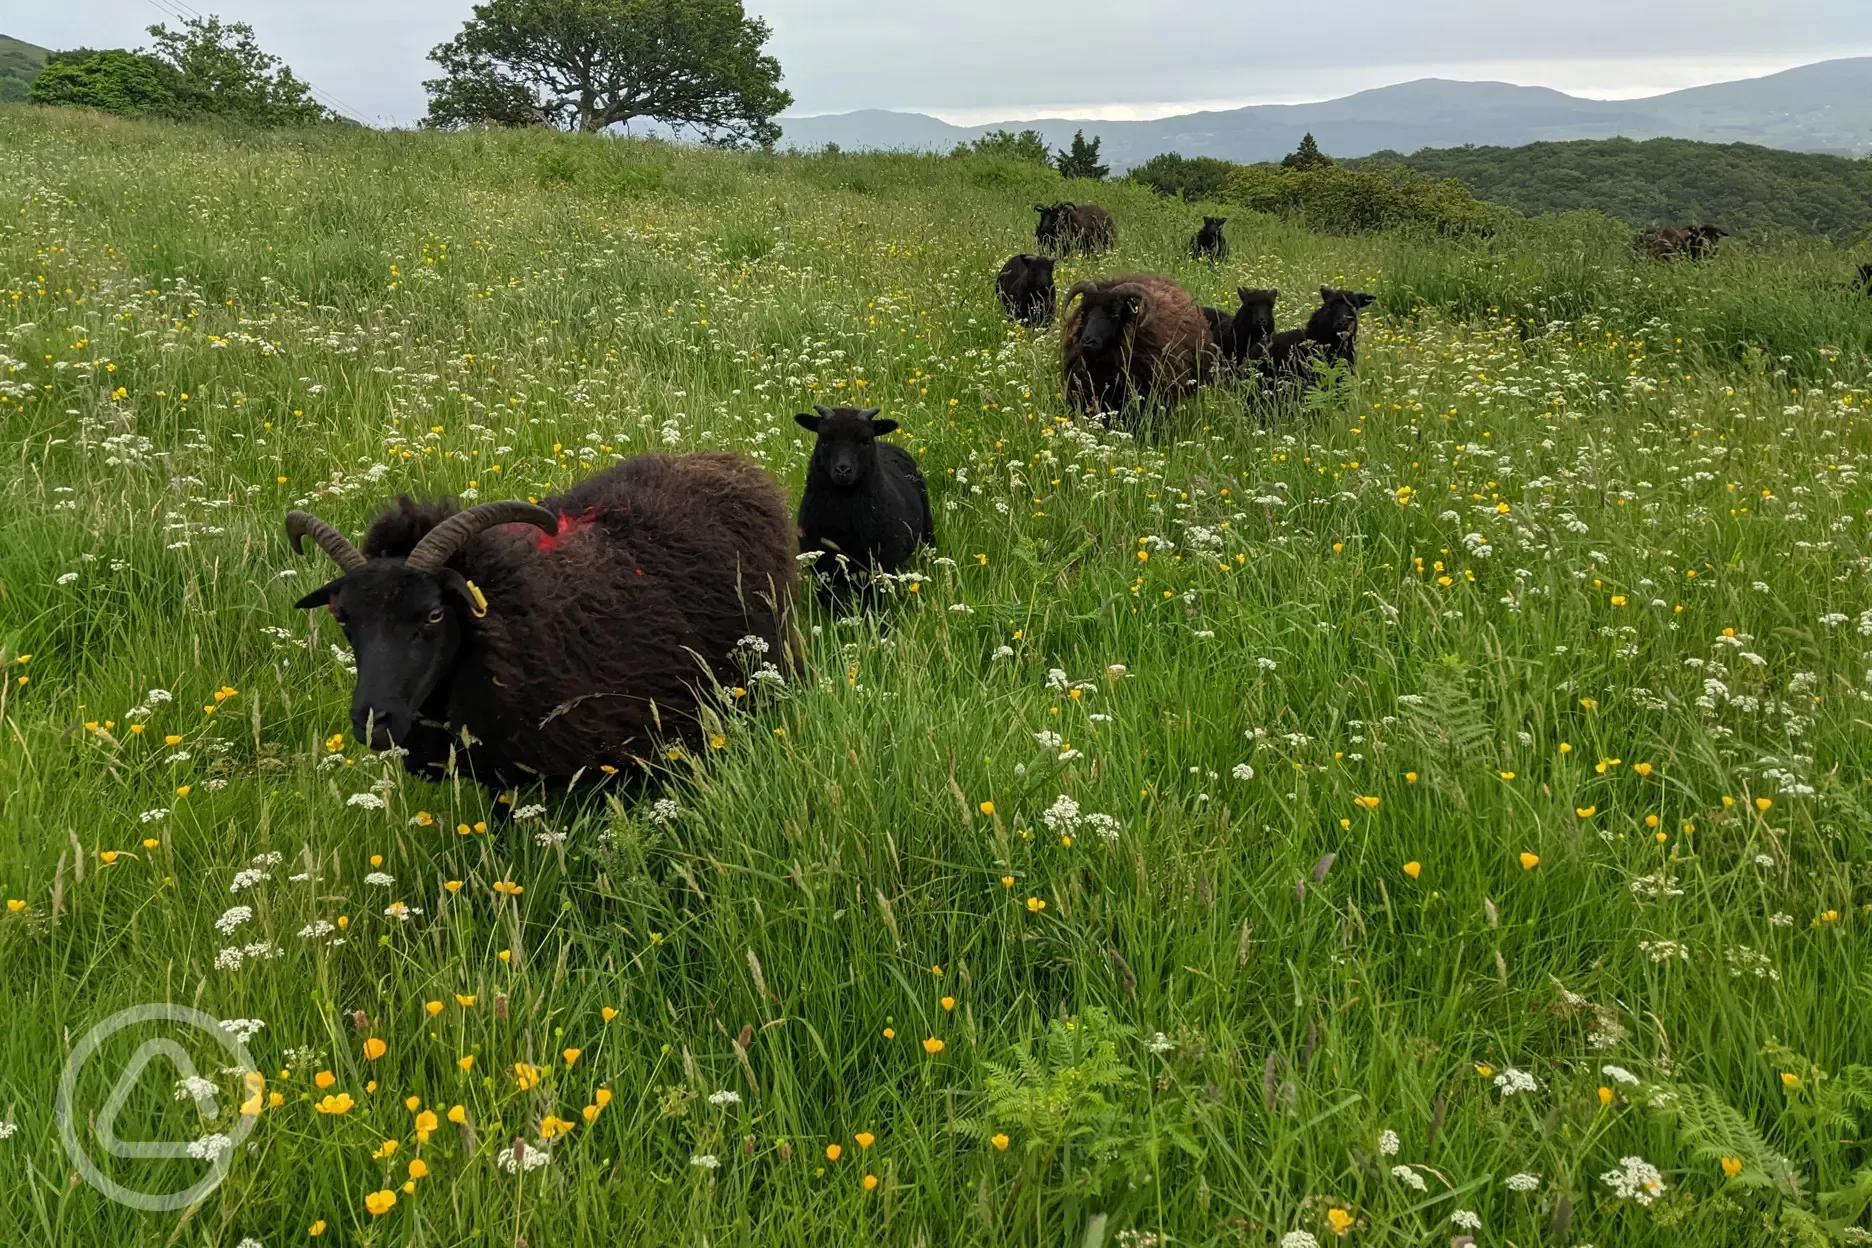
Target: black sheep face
1039, 270
1212, 226
845, 456
405, 627
1865, 277
1255, 321
1107, 315
1337, 318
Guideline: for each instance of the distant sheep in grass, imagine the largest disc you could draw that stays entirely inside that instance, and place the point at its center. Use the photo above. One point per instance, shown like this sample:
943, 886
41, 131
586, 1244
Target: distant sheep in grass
1026, 289
866, 507
1209, 244
1865, 278
1703, 240
1138, 337
1067, 228
1330, 337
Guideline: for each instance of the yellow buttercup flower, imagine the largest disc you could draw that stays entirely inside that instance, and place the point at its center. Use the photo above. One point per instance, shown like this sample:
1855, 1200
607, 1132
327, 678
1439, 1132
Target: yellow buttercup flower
1413, 869
933, 1045
1529, 861
380, 1203
1000, 1142
1731, 1166
374, 1049
418, 1168
339, 1104
833, 1152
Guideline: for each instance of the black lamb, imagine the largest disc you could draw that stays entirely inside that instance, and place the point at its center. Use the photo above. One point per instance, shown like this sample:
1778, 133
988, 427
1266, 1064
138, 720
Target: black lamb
866, 507
1026, 289
1330, 337
1209, 244
510, 643
1252, 331
1245, 336
1865, 278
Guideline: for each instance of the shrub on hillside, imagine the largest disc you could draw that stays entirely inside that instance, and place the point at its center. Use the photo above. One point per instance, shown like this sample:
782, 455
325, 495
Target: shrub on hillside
1335, 200
1026, 146
1191, 177
130, 84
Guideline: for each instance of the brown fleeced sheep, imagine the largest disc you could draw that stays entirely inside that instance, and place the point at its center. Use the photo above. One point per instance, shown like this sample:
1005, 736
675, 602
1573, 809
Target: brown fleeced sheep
1139, 338
511, 643
1067, 228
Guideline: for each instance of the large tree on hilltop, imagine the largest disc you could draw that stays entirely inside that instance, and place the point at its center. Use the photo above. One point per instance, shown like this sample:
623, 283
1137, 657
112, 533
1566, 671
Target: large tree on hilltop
591, 64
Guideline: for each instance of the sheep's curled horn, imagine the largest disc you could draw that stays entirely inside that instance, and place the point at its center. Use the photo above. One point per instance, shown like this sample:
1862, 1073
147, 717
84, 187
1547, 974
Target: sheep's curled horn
438, 545
301, 524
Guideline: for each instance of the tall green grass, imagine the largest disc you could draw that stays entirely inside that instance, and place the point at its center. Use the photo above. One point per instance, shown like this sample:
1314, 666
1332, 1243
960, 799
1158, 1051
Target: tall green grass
1399, 710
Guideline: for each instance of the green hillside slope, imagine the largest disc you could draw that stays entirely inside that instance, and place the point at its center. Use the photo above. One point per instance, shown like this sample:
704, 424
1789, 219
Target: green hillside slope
20, 62
1665, 181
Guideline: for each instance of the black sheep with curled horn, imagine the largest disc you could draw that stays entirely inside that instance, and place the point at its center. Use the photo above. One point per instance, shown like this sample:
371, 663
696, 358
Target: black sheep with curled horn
512, 643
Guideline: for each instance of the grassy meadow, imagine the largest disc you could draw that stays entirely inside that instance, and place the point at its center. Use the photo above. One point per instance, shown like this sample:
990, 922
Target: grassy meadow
1440, 811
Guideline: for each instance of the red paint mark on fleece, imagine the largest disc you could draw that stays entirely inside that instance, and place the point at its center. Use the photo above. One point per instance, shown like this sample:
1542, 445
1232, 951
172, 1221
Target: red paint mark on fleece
569, 525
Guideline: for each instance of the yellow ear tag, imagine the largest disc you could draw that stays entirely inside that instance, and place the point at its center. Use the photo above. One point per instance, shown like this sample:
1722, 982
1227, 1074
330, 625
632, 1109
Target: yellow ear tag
479, 610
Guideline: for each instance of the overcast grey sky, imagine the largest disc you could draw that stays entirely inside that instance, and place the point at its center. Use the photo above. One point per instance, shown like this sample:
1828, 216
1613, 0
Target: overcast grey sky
982, 60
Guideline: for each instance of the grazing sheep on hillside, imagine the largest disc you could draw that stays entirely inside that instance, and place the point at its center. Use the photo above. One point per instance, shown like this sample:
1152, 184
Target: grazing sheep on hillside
1026, 289
1134, 337
511, 642
1066, 228
866, 507
1663, 242
1330, 337
1703, 240
1209, 243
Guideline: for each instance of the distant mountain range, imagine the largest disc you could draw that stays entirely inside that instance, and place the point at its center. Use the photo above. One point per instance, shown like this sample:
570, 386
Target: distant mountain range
1826, 107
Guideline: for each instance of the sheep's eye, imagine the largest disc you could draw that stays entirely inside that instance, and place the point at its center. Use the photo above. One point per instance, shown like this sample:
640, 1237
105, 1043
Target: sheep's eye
435, 616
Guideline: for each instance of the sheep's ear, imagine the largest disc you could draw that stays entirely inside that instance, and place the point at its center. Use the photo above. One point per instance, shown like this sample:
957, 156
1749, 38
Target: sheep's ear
1326, 294
882, 427
808, 423
1244, 294
320, 597
1362, 300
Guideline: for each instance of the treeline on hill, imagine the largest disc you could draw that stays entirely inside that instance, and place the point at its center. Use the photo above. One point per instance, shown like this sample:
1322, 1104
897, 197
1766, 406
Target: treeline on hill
1741, 187
1311, 189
